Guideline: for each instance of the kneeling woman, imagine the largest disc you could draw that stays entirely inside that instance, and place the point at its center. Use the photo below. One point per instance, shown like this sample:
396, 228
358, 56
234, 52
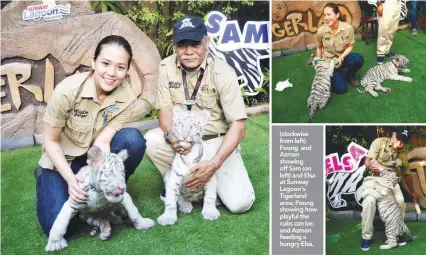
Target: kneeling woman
86, 108
335, 40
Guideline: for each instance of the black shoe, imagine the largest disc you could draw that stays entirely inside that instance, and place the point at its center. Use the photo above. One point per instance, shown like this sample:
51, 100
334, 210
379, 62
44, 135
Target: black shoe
37, 172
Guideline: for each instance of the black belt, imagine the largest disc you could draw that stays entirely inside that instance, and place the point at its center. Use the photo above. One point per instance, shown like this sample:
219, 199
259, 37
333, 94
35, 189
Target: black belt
209, 137
373, 174
370, 173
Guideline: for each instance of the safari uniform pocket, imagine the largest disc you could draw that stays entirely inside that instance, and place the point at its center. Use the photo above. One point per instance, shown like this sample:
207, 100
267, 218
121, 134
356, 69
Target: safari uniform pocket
206, 101
80, 132
177, 97
341, 42
384, 155
328, 44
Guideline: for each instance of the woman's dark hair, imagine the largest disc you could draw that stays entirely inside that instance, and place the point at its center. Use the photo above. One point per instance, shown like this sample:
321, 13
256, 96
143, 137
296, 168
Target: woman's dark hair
117, 40
335, 9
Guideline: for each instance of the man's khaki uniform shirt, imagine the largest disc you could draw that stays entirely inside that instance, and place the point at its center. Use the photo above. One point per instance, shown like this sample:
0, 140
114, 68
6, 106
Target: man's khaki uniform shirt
219, 92
381, 150
334, 44
74, 108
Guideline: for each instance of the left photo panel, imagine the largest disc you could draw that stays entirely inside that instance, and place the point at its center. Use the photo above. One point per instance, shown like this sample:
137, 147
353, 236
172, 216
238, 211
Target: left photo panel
135, 127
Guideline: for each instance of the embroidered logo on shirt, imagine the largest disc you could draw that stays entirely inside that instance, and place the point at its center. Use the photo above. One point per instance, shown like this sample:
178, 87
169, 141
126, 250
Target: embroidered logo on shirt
108, 112
208, 90
78, 113
174, 84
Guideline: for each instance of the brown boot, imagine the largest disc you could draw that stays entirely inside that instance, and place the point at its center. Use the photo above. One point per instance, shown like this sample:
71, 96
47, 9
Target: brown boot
354, 81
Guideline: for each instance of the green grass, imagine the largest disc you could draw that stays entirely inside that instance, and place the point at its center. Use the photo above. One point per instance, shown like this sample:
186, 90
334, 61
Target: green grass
231, 234
350, 239
403, 105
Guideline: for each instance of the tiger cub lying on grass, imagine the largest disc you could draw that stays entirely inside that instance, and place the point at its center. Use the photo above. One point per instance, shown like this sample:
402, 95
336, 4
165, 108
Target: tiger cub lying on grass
188, 129
388, 71
104, 181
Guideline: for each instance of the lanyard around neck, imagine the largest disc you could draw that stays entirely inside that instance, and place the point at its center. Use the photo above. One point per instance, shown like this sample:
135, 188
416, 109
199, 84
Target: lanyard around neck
191, 100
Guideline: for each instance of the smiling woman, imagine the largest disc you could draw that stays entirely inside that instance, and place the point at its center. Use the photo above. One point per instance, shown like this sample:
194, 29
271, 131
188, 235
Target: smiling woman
85, 109
335, 41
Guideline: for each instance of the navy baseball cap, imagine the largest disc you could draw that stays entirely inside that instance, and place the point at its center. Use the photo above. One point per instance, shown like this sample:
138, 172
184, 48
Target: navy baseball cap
402, 135
189, 28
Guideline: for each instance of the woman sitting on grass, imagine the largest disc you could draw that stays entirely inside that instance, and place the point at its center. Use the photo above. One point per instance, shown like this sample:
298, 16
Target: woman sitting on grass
86, 108
336, 41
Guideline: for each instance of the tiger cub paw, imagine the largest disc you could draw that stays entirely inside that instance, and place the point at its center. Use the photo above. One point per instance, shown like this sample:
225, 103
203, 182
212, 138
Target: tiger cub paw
143, 223
372, 92
105, 236
56, 245
408, 79
185, 207
386, 90
167, 219
388, 246
210, 213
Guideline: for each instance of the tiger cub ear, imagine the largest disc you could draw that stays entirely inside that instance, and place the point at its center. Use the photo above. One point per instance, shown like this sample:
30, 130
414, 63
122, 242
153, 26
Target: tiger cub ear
94, 156
203, 116
123, 154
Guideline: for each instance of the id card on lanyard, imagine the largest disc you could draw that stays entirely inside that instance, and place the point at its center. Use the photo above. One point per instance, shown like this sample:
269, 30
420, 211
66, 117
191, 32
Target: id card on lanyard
190, 100
394, 159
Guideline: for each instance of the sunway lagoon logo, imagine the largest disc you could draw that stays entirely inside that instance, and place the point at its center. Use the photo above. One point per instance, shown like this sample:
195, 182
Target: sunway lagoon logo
242, 50
49, 11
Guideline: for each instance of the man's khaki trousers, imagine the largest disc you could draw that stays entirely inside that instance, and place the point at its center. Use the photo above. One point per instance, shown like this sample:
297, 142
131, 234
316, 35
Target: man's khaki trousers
233, 184
369, 207
388, 24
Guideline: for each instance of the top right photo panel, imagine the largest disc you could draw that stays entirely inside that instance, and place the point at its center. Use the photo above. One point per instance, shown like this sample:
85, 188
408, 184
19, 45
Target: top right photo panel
349, 61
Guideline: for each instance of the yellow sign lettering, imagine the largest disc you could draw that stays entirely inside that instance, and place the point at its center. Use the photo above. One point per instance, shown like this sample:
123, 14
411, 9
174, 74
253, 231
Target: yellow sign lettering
276, 32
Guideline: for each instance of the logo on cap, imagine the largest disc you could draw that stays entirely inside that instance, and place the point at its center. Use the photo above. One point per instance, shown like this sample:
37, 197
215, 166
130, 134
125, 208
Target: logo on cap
186, 23
405, 133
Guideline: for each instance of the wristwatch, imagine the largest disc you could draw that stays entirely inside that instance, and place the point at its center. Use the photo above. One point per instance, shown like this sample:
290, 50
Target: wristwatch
166, 137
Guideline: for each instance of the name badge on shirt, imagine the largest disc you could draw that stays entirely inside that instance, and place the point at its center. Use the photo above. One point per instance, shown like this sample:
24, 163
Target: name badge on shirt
189, 102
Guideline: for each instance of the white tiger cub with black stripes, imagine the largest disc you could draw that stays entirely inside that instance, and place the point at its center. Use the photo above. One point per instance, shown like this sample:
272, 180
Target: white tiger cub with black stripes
104, 181
388, 208
320, 91
388, 71
188, 129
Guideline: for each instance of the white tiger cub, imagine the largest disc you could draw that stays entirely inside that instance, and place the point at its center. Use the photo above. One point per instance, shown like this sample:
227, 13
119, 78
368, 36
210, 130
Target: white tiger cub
320, 91
388, 71
104, 181
388, 208
188, 129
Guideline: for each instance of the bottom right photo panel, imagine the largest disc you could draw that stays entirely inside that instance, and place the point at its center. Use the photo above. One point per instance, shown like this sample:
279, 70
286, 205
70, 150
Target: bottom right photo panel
375, 189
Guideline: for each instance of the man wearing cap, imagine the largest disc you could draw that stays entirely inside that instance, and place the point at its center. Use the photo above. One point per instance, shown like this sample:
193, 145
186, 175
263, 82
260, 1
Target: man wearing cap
191, 79
388, 153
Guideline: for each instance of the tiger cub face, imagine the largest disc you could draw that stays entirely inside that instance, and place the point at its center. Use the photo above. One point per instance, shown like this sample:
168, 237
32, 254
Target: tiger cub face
401, 61
108, 174
389, 179
188, 126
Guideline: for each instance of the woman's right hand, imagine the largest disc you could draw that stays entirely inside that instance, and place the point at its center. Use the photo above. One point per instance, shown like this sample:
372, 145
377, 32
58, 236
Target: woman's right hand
77, 195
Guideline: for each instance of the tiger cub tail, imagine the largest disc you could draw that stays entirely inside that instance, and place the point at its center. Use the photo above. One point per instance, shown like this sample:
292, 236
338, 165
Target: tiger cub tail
312, 113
